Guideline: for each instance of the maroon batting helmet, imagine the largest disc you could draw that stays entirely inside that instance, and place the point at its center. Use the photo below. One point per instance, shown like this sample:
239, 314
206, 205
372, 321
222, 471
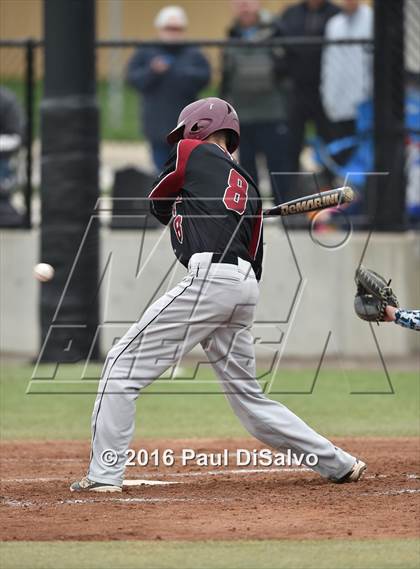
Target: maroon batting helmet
202, 118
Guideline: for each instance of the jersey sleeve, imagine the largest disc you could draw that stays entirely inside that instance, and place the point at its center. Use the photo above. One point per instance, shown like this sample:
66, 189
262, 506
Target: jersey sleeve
169, 183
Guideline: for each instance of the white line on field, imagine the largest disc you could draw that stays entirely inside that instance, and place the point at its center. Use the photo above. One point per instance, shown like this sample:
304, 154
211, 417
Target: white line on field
18, 503
137, 500
169, 474
393, 492
234, 471
26, 503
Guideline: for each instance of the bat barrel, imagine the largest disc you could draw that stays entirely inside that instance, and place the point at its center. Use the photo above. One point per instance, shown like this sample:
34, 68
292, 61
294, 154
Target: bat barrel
313, 202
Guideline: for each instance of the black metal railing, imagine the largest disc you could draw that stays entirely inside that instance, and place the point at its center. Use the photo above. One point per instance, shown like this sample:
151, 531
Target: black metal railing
31, 48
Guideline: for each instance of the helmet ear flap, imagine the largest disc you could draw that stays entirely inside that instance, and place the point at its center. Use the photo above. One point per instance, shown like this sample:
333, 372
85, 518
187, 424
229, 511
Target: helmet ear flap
232, 140
176, 135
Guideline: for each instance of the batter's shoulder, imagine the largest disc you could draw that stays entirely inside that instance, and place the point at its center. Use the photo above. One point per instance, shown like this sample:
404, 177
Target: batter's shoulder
201, 151
212, 149
186, 146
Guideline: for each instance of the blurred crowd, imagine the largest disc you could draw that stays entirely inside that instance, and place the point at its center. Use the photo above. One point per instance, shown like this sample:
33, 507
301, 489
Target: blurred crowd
286, 95
280, 93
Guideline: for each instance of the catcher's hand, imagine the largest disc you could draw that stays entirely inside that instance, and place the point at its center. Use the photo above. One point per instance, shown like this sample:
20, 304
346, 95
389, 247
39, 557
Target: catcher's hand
373, 295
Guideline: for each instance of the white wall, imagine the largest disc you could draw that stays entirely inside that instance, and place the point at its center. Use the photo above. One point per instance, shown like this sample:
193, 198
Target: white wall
299, 312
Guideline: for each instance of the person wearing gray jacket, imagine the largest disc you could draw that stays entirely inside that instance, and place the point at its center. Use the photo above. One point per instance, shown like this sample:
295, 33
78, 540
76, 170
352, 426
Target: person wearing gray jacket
254, 81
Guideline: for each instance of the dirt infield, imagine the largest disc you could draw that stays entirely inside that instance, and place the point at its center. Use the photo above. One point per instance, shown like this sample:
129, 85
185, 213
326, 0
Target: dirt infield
199, 502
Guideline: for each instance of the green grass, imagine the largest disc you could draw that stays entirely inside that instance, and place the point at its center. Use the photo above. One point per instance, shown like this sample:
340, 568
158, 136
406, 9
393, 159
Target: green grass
196, 408
332, 408
380, 554
129, 127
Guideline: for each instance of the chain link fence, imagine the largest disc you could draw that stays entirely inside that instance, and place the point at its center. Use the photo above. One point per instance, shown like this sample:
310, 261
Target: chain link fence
333, 141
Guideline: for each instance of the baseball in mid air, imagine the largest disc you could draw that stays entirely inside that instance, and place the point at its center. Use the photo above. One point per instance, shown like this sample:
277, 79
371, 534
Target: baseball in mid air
43, 272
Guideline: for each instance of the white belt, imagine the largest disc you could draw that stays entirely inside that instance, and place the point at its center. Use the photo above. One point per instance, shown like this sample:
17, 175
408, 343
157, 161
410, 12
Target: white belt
200, 261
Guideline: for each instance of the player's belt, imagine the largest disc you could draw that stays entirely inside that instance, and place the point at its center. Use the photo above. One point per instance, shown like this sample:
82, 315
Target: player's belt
228, 258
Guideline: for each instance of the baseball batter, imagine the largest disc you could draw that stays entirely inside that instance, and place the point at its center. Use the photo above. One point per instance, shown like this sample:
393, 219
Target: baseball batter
215, 212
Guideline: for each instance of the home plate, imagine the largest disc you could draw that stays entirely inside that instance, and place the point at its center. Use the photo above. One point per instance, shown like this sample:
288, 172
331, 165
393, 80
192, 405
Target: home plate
147, 482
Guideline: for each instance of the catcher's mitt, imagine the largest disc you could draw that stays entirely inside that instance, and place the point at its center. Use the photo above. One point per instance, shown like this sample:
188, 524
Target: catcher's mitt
373, 295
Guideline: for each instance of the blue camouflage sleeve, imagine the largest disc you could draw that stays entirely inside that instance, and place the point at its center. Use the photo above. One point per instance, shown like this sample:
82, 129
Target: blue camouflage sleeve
408, 319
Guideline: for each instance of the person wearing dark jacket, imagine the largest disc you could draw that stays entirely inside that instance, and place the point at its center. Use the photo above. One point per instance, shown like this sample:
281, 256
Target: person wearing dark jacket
12, 123
254, 81
168, 77
309, 19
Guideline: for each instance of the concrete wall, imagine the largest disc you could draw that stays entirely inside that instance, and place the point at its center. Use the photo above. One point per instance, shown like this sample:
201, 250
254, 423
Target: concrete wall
18, 292
307, 290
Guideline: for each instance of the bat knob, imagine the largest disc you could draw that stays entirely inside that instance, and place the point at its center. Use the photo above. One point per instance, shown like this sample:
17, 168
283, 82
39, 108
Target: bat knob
348, 194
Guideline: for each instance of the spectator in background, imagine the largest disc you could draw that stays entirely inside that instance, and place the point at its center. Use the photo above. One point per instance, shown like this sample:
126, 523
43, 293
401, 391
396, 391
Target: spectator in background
346, 71
11, 135
169, 77
254, 81
308, 19
412, 109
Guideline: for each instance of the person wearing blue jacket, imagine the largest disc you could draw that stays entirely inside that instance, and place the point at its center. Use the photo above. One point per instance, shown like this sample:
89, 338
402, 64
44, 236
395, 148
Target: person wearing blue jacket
168, 77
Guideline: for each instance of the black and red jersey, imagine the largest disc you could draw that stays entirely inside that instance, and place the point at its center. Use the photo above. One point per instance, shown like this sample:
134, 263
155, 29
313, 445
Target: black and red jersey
213, 205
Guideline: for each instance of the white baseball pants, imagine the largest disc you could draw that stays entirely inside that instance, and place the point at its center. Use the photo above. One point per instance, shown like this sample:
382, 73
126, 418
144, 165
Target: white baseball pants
213, 305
